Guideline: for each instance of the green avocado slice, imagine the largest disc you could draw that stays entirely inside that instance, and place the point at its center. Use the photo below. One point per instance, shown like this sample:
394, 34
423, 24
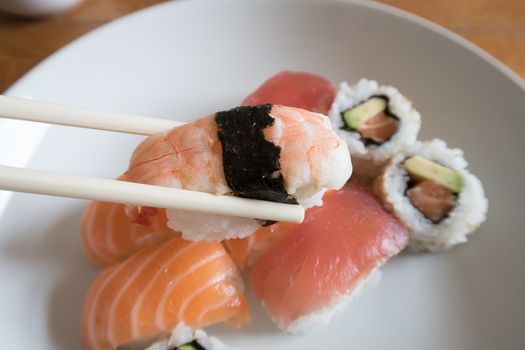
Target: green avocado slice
420, 167
366, 110
194, 345
186, 347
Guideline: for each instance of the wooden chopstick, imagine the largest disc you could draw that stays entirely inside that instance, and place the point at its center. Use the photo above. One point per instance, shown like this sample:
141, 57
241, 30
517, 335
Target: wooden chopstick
36, 111
48, 183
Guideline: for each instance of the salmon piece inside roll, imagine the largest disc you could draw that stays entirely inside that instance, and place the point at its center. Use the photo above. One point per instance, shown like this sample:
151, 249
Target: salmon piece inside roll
432, 187
433, 200
372, 119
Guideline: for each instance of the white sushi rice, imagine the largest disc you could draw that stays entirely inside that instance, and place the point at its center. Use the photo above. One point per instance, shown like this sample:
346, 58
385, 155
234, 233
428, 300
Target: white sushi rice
468, 213
350, 96
323, 316
183, 334
197, 226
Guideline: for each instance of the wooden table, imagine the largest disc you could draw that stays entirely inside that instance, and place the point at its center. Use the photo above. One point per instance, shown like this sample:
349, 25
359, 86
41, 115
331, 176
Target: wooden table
498, 26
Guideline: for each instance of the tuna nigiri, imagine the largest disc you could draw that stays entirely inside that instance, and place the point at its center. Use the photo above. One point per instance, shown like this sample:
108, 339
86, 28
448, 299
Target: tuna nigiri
157, 288
295, 89
315, 266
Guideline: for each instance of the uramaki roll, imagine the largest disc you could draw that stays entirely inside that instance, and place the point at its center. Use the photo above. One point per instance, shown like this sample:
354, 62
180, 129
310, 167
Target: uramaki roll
376, 122
429, 188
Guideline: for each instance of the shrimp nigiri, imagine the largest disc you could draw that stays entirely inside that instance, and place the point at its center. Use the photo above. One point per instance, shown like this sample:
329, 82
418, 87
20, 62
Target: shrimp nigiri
267, 152
110, 236
159, 287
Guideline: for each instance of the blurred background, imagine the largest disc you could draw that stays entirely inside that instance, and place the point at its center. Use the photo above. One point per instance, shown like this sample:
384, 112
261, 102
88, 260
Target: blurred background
31, 30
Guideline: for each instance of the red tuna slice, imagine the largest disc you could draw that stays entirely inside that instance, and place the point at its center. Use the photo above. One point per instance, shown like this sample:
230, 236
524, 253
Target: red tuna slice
337, 246
295, 89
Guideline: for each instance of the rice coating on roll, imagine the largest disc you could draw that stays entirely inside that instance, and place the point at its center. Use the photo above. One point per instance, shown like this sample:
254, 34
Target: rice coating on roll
184, 337
368, 154
466, 215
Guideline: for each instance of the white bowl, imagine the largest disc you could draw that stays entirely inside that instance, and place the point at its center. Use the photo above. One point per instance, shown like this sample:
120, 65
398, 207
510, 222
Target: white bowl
186, 59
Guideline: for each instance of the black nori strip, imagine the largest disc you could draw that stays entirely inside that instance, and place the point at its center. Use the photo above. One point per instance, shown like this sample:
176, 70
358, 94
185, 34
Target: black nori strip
266, 223
251, 163
194, 344
369, 142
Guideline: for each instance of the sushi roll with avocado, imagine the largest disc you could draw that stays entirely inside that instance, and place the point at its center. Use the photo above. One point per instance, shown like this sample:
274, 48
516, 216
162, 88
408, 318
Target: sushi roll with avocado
376, 122
181, 338
429, 188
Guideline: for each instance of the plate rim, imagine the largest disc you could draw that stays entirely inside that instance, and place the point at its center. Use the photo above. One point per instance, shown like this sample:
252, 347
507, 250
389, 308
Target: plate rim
38, 130
16, 89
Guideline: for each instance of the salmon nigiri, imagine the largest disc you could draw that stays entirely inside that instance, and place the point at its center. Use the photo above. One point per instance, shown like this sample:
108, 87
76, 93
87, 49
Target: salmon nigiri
295, 89
245, 251
316, 265
148, 294
111, 232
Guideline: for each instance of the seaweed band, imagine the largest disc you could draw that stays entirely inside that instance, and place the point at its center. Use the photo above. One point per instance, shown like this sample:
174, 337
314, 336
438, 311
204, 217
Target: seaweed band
251, 163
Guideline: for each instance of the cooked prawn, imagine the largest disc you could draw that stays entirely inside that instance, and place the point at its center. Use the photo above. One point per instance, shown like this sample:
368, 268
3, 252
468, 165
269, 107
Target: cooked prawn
312, 159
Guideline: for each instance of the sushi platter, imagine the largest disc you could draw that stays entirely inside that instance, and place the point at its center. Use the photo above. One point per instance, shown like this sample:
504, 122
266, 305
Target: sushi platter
408, 196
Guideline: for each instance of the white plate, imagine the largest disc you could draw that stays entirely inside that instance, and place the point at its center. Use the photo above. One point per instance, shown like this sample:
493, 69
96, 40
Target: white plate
186, 59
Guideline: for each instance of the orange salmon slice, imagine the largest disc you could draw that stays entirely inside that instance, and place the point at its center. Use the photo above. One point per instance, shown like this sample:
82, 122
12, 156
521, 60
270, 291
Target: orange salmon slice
433, 200
157, 288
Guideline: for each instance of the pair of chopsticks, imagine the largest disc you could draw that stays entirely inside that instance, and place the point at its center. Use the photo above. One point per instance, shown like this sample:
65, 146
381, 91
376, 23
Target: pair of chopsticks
54, 184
